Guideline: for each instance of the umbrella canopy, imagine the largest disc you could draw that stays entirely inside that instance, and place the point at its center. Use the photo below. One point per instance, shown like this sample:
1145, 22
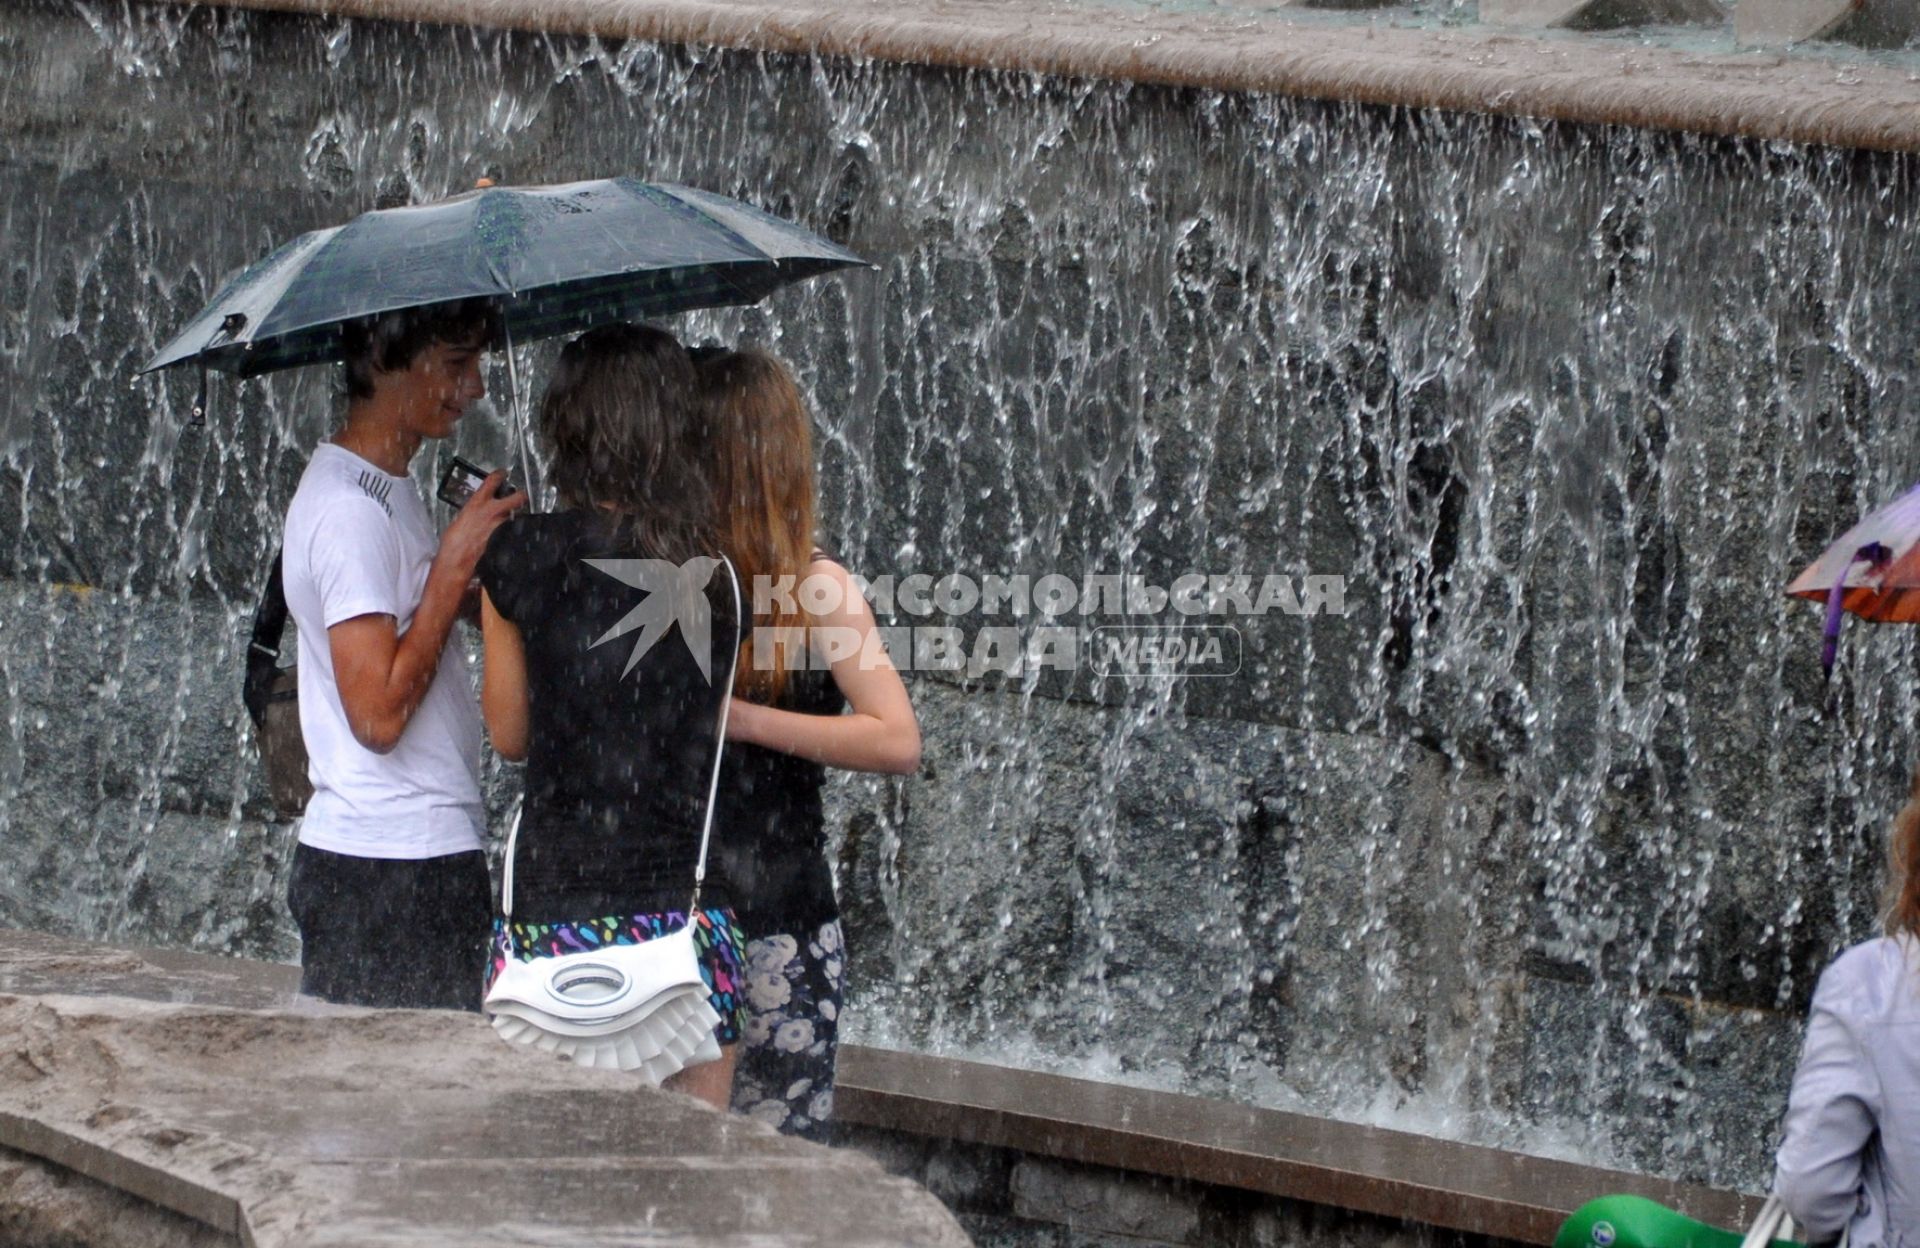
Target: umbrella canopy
1873, 571
558, 258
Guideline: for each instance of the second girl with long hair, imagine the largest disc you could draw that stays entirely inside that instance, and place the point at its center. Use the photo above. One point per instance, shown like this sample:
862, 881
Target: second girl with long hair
816, 691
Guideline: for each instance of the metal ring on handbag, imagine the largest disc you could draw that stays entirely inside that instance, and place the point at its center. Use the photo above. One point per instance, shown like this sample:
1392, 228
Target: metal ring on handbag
564, 987
637, 1007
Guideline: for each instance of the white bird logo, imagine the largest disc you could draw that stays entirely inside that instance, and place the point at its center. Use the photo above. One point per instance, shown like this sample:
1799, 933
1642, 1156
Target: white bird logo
676, 593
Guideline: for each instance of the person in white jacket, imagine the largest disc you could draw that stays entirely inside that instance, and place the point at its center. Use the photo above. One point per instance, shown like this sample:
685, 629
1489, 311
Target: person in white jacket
1849, 1157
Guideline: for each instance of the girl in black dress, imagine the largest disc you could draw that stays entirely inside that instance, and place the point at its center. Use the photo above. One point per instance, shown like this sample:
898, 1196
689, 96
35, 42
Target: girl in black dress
609, 629
815, 690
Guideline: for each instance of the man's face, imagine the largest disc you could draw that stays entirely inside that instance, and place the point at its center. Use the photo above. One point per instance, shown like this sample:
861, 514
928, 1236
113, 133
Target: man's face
435, 390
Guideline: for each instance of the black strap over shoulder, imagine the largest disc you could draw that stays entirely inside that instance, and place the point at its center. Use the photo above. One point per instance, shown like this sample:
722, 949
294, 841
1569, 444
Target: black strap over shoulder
263, 649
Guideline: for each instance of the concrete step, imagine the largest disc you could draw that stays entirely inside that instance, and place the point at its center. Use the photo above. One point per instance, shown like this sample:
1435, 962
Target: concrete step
176, 1034
1869, 23
199, 1085
1601, 13
1772, 22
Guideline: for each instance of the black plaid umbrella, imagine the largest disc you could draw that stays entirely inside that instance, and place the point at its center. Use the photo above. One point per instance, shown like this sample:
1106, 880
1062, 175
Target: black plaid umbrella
558, 258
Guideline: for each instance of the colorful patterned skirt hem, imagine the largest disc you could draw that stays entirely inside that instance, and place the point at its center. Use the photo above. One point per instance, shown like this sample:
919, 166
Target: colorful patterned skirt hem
718, 942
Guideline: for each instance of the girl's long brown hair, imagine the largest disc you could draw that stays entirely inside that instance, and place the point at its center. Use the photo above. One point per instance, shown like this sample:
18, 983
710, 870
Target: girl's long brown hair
1903, 868
760, 436
619, 424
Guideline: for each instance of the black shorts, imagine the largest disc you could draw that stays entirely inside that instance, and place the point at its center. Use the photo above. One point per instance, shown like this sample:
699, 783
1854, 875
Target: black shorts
397, 933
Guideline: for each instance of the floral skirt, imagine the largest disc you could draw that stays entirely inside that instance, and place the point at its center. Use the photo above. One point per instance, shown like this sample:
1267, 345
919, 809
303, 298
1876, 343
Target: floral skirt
718, 943
794, 985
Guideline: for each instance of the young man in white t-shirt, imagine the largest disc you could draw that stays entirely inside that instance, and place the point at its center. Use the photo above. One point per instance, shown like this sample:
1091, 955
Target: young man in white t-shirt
389, 883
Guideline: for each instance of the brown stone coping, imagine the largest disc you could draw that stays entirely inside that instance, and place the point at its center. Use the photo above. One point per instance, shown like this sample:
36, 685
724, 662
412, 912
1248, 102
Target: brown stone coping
34, 963
1460, 1187
1799, 98
1369, 1169
155, 1184
43, 1204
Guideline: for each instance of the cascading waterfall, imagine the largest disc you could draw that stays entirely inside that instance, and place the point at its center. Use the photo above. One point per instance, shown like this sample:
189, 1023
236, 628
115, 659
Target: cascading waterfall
1541, 844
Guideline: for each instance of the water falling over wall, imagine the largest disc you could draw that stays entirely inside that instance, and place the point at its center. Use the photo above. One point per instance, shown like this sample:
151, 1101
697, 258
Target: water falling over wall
1542, 843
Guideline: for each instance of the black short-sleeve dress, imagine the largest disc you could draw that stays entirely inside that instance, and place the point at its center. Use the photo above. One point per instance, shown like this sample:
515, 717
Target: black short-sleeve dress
627, 659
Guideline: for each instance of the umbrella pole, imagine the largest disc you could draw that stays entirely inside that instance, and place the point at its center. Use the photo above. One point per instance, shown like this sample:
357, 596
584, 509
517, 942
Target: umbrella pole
518, 415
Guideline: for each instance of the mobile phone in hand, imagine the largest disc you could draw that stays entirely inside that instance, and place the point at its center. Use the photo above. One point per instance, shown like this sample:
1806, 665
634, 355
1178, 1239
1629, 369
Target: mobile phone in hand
462, 479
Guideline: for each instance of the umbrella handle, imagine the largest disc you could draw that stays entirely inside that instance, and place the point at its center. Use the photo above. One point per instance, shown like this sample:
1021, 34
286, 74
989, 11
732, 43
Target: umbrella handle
230, 325
197, 414
516, 415
1872, 554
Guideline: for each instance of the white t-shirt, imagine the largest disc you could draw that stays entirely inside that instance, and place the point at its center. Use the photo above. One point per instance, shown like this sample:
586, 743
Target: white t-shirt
358, 541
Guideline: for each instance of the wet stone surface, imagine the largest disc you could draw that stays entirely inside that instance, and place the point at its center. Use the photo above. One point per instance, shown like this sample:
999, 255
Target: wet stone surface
43, 1205
1500, 854
302, 1124
1100, 1156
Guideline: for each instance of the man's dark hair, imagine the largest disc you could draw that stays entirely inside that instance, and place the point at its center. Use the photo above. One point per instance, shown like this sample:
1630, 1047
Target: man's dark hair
389, 342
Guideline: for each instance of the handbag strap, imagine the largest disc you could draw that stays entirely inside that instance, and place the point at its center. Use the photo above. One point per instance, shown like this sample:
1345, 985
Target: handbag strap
506, 870
1770, 1224
713, 785
720, 741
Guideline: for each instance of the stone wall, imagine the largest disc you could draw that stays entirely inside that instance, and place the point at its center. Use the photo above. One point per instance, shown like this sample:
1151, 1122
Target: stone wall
1007, 1199
1541, 844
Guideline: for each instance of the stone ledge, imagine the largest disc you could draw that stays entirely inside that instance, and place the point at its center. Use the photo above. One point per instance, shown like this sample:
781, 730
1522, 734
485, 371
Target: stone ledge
157, 1185
317, 1125
1460, 1187
1880, 23
1366, 1169
43, 1205
1801, 100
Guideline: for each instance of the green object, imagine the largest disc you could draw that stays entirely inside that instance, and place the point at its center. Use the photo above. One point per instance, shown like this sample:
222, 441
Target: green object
1636, 1222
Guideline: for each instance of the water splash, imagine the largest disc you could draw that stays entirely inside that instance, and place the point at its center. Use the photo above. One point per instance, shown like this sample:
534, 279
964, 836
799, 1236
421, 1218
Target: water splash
1535, 844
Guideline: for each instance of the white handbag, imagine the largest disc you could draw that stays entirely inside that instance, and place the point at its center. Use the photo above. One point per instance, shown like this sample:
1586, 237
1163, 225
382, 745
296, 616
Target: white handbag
637, 1007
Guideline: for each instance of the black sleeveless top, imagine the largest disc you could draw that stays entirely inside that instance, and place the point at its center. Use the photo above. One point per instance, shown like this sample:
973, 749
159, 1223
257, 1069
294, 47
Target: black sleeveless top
769, 832
622, 722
